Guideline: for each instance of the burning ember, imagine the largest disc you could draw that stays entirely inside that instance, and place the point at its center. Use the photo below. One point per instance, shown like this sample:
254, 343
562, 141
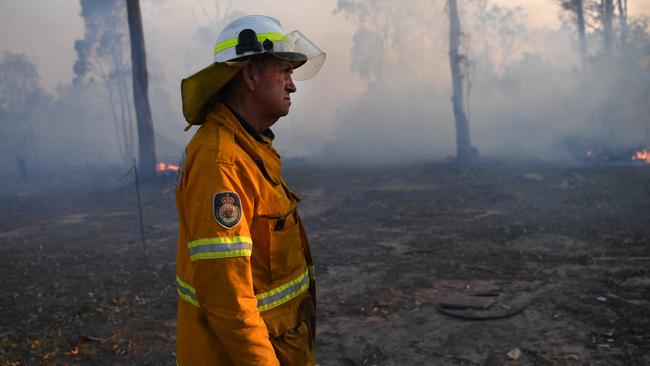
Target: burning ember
617, 155
162, 167
643, 154
597, 153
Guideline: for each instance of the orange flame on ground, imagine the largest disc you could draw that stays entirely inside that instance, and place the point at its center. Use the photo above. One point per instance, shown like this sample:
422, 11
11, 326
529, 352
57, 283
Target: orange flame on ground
643, 155
162, 167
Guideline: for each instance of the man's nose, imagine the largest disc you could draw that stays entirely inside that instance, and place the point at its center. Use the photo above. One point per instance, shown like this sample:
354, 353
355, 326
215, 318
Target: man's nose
290, 87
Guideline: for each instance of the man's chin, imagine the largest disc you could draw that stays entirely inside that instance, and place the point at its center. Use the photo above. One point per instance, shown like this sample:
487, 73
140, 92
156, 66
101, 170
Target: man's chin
280, 115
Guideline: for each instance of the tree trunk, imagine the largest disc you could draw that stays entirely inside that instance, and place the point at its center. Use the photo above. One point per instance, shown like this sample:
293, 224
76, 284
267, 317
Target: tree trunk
146, 142
622, 14
464, 149
580, 12
608, 15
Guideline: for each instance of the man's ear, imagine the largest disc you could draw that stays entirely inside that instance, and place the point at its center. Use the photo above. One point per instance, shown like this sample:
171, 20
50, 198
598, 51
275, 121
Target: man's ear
249, 76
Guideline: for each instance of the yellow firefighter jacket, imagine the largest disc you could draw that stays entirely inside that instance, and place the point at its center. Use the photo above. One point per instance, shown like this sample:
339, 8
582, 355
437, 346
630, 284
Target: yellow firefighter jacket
245, 289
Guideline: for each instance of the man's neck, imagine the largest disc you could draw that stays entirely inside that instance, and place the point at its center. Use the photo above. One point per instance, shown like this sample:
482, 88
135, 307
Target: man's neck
256, 120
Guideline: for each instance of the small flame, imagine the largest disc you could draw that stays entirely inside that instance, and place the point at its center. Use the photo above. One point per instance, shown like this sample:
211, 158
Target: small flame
643, 155
162, 167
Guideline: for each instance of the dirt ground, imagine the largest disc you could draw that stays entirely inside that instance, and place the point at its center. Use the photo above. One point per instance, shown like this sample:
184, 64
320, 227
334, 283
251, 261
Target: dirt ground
570, 244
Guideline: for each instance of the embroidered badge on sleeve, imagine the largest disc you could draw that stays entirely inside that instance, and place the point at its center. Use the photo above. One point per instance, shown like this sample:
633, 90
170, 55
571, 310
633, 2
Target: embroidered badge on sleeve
227, 209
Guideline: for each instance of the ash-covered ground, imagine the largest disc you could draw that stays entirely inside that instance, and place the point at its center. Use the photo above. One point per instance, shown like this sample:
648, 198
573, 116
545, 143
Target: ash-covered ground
570, 245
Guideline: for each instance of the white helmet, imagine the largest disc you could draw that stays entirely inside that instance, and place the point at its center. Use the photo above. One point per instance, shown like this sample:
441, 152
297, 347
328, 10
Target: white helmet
242, 39
253, 35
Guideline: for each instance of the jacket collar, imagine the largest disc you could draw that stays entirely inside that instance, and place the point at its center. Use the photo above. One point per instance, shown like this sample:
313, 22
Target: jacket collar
259, 137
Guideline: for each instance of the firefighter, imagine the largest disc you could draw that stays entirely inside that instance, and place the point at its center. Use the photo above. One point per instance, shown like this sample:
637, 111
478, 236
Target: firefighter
243, 269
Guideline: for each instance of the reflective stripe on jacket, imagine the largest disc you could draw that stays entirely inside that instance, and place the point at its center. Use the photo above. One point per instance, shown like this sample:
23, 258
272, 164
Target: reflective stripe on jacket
246, 292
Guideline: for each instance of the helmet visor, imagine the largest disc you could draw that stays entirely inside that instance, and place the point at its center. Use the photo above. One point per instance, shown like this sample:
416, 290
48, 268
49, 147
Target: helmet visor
315, 57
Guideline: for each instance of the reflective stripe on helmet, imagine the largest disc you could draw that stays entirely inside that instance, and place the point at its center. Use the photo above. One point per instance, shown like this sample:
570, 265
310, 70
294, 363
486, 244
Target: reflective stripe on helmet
282, 294
186, 292
232, 42
220, 247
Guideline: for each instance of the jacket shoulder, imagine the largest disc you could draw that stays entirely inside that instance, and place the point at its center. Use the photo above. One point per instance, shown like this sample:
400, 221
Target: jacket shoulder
216, 141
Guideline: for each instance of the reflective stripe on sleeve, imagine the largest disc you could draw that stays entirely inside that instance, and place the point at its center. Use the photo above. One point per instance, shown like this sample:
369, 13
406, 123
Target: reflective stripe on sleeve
220, 247
232, 42
265, 301
282, 294
186, 292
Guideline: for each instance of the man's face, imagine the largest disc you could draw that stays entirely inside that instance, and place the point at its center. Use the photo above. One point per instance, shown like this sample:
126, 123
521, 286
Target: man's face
274, 86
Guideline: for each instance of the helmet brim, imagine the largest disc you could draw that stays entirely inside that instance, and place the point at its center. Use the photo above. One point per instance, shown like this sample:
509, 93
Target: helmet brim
296, 58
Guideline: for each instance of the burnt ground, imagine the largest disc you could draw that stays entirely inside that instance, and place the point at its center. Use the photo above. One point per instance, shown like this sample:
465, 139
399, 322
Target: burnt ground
390, 244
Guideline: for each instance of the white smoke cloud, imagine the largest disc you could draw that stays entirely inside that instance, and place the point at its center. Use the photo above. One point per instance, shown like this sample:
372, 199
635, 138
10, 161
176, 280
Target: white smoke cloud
384, 91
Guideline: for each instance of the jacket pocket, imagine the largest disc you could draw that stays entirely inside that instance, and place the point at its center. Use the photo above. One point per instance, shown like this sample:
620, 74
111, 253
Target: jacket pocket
287, 259
295, 346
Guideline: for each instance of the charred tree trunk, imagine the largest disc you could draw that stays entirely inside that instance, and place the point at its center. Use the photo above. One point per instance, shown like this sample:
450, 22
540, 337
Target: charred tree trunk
607, 10
622, 14
464, 149
146, 142
580, 13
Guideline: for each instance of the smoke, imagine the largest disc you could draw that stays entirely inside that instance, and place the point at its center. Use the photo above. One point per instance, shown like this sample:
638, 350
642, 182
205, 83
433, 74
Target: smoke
383, 94
529, 95
42, 133
89, 122
100, 52
21, 102
104, 58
